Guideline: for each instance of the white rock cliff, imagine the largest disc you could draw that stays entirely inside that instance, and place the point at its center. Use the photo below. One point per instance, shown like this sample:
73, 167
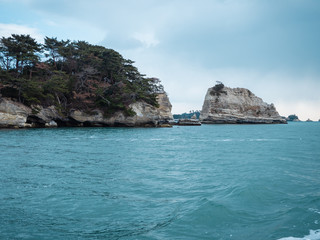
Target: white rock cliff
235, 106
17, 115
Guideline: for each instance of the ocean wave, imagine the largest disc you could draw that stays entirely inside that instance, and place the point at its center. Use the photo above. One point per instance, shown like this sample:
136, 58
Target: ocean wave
214, 213
314, 210
246, 140
313, 235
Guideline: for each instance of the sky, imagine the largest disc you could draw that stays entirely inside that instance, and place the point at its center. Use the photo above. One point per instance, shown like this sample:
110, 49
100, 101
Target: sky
270, 47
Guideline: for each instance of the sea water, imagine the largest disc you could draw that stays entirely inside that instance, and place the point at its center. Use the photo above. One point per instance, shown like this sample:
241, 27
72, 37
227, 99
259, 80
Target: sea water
256, 182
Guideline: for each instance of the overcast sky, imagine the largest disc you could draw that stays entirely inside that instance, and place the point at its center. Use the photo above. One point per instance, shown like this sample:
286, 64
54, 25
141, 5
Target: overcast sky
270, 47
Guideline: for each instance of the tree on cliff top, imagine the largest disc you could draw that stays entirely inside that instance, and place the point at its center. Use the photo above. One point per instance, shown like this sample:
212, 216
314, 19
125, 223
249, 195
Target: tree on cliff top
218, 87
53, 48
22, 50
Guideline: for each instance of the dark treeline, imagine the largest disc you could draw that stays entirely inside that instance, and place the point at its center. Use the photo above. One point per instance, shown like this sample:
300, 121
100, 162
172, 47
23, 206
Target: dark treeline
187, 115
71, 74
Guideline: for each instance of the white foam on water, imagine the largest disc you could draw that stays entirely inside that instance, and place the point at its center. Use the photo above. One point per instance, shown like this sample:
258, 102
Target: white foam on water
247, 140
224, 140
313, 235
314, 210
262, 140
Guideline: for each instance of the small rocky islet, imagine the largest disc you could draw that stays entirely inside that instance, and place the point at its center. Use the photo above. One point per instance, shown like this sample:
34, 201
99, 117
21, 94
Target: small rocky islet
224, 105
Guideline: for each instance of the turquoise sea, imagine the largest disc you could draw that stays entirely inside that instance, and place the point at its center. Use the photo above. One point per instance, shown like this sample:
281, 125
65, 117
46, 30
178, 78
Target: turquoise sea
238, 182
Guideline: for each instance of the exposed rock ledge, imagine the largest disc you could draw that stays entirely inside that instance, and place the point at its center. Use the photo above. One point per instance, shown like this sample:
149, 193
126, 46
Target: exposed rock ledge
235, 106
17, 115
189, 122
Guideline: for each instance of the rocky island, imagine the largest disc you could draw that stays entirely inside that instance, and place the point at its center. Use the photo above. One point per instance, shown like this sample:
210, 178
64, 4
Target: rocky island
226, 105
64, 83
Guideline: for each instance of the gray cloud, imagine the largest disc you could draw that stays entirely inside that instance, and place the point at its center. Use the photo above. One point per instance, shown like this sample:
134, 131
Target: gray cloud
250, 34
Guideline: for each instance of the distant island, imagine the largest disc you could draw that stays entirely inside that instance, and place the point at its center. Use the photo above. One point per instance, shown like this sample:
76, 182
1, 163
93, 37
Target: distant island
74, 83
293, 118
189, 115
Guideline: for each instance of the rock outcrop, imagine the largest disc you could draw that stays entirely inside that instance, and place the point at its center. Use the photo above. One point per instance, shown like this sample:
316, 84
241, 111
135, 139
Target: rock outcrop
235, 106
17, 115
13, 114
146, 115
189, 122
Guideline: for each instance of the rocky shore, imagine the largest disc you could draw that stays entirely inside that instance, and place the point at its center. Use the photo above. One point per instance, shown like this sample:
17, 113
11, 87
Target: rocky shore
189, 122
17, 115
224, 105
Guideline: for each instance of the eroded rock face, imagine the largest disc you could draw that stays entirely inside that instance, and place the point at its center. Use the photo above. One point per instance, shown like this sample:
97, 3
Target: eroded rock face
17, 115
13, 114
237, 105
146, 115
164, 110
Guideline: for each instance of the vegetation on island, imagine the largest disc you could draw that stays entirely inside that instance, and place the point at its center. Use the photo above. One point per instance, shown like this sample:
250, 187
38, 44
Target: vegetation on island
187, 115
217, 89
71, 74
